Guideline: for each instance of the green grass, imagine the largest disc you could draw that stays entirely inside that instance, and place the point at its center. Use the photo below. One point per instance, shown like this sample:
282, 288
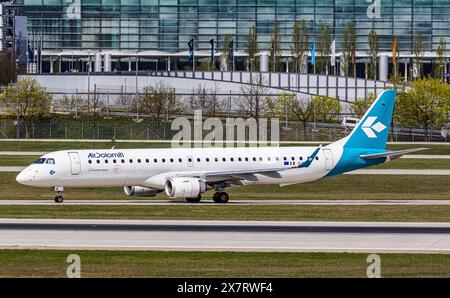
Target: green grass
52, 263
235, 212
344, 187
416, 164
16, 160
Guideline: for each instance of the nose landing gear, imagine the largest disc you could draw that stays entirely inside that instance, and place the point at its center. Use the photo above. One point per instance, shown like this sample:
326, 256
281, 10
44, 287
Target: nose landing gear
59, 194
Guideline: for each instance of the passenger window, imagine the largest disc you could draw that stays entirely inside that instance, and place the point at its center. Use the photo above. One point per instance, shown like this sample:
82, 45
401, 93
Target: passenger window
260, 159
114, 161
224, 159
301, 158
155, 160
147, 160
268, 158
122, 161
254, 158
106, 161
216, 159
171, 160
163, 160
181, 160
198, 159
189, 160
239, 158
131, 161
89, 161
285, 158
246, 159
293, 158
232, 159
317, 158
98, 161
277, 158
139, 161
207, 159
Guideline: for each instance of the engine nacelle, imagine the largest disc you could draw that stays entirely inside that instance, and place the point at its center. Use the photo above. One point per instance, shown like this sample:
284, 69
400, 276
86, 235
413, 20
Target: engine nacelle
183, 188
139, 191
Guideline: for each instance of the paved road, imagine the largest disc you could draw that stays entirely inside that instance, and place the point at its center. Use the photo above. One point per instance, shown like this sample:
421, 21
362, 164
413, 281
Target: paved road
237, 202
225, 236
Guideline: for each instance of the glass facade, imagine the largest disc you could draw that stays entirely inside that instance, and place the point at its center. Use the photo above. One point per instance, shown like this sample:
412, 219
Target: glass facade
168, 25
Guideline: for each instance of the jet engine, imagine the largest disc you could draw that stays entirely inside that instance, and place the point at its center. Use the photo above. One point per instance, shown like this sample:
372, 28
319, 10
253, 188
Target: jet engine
139, 191
179, 187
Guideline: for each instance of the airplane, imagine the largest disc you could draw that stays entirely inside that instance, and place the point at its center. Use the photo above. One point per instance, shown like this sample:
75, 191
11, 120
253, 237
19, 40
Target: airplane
189, 173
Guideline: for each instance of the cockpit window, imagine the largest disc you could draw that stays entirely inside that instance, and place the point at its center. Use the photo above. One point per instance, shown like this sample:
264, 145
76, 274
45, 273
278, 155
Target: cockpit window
40, 161
50, 161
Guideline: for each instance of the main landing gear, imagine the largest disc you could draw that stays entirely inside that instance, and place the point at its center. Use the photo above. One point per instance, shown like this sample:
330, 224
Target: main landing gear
221, 197
59, 194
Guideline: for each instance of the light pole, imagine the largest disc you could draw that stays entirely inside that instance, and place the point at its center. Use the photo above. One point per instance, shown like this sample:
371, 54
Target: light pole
136, 80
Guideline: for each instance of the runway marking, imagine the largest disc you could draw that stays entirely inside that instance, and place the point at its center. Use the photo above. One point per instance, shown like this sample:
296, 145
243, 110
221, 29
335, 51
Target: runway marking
234, 202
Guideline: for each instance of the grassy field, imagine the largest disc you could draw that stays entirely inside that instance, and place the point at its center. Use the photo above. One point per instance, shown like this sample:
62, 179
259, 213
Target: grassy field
236, 212
52, 263
344, 187
64, 145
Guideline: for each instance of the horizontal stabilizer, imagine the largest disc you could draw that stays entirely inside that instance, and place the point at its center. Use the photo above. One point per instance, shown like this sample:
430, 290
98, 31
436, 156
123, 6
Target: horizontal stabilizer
391, 154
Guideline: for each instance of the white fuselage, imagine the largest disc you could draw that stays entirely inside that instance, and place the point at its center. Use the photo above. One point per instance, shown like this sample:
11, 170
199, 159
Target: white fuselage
151, 167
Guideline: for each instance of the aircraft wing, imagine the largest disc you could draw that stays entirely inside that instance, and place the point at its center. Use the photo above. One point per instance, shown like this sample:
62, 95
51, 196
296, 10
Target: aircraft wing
391, 154
238, 175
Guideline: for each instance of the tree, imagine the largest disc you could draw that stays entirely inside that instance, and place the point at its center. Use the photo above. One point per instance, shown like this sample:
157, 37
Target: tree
27, 99
300, 41
373, 50
252, 49
324, 48
348, 45
275, 48
157, 101
418, 54
303, 111
361, 105
326, 109
439, 63
253, 100
276, 106
8, 70
225, 57
425, 105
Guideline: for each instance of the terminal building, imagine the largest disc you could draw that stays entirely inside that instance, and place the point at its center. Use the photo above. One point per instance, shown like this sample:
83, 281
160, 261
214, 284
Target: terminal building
153, 35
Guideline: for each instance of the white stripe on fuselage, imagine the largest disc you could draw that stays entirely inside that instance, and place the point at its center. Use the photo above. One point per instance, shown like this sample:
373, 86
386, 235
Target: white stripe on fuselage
153, 174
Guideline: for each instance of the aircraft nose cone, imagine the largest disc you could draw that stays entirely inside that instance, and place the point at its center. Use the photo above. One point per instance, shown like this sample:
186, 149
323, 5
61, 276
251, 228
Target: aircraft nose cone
22, 178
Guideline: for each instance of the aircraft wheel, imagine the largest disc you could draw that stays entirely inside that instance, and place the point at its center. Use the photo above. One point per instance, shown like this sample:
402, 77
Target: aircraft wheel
194, 200
221, 197
59, 199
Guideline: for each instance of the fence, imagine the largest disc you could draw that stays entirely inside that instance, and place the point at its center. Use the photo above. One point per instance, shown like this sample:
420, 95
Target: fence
146, 129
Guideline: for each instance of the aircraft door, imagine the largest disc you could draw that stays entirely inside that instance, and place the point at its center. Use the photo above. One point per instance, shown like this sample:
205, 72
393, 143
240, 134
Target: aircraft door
75, 164
328, 159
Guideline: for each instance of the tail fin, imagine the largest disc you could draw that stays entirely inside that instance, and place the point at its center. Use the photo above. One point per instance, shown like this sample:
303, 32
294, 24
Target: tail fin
373, 130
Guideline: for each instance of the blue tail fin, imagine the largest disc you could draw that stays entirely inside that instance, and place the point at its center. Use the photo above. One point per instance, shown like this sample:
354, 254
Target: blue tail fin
373, 130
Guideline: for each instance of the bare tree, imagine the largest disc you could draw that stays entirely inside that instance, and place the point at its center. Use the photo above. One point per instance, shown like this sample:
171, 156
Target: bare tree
252, 102
213, 103
252, 49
